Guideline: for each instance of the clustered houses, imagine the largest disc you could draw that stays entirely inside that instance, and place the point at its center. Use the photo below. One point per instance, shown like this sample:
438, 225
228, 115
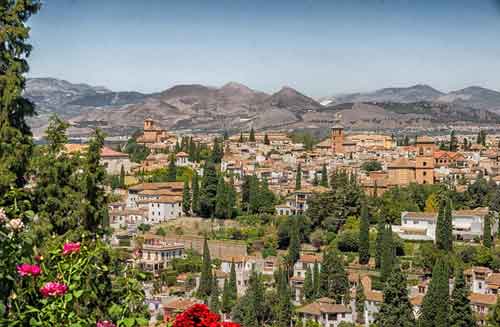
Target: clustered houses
112, 160
156, 254
467, 225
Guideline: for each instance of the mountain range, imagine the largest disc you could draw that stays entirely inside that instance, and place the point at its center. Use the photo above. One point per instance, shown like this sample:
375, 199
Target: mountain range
200, 108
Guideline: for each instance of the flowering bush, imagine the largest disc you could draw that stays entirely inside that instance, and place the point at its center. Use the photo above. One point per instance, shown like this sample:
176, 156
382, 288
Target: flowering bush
29, 270
53, 289
70, 248
199, 316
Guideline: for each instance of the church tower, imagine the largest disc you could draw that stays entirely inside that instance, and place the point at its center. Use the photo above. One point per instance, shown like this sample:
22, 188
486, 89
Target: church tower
424, 168
337, 135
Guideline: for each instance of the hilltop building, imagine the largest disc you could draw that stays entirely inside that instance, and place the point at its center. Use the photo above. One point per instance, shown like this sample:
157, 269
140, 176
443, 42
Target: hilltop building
156, 138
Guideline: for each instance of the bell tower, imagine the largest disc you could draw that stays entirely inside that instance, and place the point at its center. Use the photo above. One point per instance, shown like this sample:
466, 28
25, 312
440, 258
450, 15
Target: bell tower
337, 135
424, 168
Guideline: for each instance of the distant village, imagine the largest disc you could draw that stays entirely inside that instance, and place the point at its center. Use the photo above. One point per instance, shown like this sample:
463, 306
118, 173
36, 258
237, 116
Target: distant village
378, 162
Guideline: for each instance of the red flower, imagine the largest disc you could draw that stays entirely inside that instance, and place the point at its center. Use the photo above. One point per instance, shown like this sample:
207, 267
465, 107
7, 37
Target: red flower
105, 323
28, 270
69, 248
53, 289
199, 316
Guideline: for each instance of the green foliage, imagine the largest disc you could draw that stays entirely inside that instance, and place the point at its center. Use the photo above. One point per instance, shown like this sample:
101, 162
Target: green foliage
266, 139
251, 310
137, 152
309, 291
371, 165
360, 302
334, 283
186, 198
215, 305
364, 236
195, 200
172, 169
285, 308
190, 264
460, 308
206, 278
348, 241
256, 197
444, 228
208, 190
435, 306
251, 138
387, 255
494, 315
487, 238
294, 247
298, 177
396, 309
305, 138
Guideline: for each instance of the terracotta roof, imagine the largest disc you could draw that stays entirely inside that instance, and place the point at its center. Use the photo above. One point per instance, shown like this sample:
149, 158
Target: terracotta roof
493, 279
487, 299
310, 258
417, 299
108, 152
402, 163
180, 304
182, 154
323, 305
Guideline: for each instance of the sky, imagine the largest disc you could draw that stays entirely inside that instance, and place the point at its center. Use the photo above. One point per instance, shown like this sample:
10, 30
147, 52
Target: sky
320, 47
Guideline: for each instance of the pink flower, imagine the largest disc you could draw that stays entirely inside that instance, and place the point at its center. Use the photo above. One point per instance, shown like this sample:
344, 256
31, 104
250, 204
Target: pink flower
53, 289
105, 323
28, 270
69, 248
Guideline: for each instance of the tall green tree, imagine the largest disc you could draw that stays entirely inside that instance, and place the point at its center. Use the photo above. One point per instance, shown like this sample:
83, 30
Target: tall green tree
122, 177
460, 309
285, 308
242, 138
172, 169
214, 302
453, 141
233, 287
396, 310
206, 284
379, 242
444, 227
298, 177
334, 282
309, 285
251, 138
315, 180
316, 279
364, 236
435, 306
208, 190
360, 303
387, 258
230, 294
294, 246
231, 198
221, 197
487, 237
324, 176
494, 315
195, 200
186, 198
266, 139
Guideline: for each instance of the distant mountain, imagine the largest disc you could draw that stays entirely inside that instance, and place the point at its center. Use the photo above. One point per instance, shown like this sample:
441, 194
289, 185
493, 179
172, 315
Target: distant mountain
474, 96
410, 94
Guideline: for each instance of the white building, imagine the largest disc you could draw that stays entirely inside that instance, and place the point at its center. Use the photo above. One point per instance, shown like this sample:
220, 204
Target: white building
157, 254
325, 312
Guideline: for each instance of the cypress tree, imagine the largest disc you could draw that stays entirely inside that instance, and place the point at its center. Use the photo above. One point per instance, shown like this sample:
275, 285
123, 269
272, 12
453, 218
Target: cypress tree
205, 287
122, 177
242, 138
308, 285
435, 306
221, 199
460, 309
396, 310
233, 287
316, 279
487, 238
364, 236
324, 176
387, 258
360, 302
494, 315
444, 228
316, 179
294, 246
186, 198
195, 187
215, 305
231, 198
208, 190
251, 138
245, 192
266, 139
285, 308
379, 242
172, 169
334, 282
298, 178
227, 304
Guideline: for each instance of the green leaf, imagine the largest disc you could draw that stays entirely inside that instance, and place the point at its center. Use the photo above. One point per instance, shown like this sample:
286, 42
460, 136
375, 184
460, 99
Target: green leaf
78, 293
129, 322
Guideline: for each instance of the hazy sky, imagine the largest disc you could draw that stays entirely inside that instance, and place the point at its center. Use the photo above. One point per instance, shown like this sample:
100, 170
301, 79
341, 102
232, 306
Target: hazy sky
320, 47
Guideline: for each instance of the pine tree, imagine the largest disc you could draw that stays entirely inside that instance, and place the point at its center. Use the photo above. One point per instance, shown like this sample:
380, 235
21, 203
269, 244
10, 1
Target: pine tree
487, 238
298, 178
266, 139
334, 283
221, 199
364, 236
215, 305
316, 279
195, 187
308, 285
324, 176
208, 190
172, 169
387, 258
206, 277
444, 228
186, 198
251, 138
460, 309
435, 306
360, 302
396, 310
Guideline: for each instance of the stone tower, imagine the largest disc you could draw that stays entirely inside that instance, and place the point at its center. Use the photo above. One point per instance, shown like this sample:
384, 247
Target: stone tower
424, 167
337, 135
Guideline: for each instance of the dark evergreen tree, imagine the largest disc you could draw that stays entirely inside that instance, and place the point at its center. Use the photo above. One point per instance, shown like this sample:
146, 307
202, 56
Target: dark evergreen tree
208, 191
435, 306
460, 310
195, 200
251, 138
324, 176
298, 177
387, 258
494, 204
217, 151
360, 303
453, 142
285, 308
231, 198
186, 198
444, 228
214, 302
227, 304
316, 279
245, 192
364, 236
206, 284
379, 242
233, 287
487, 237
396, 310
315, 180
334, 283
242, 138
172, 169
494, 315
221, 198
309, 285
294, 246
266, 139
